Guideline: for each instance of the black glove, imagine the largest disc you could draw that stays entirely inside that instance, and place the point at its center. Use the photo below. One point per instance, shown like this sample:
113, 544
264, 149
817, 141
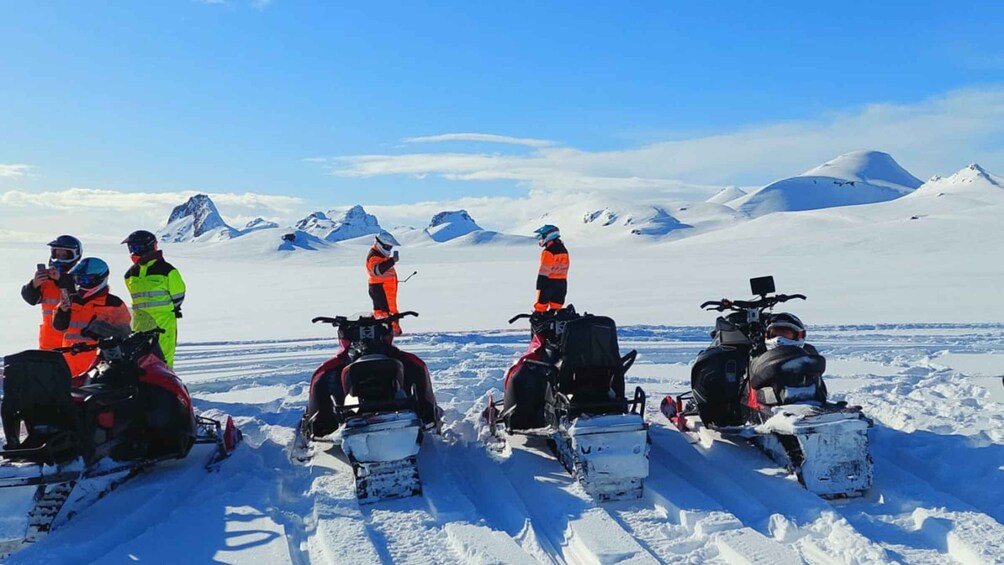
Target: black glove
177, 311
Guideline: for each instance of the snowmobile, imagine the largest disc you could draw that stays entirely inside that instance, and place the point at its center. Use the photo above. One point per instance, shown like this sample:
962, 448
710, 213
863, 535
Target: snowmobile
775, 398
569, 387
124, 415
382, 399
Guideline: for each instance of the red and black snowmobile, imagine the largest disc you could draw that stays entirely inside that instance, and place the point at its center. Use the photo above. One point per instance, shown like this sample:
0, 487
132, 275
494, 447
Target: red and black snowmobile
569, 387
125, 414
769, 390
381, 398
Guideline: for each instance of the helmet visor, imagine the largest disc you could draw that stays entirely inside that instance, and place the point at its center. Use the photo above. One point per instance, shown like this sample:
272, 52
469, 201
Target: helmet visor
87, 281
783, 331
138, 248
63, 254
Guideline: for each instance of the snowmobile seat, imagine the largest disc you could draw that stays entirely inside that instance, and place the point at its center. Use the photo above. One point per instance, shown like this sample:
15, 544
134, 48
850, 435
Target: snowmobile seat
373, 378
788, 374
591, 369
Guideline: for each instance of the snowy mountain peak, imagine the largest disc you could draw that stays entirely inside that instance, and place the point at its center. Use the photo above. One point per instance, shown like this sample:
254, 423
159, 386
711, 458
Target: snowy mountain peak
873, 167
974, 172
604, 217
972, 181
727, 194
338, 225
451, 225
194, 219
859, 177
259, 224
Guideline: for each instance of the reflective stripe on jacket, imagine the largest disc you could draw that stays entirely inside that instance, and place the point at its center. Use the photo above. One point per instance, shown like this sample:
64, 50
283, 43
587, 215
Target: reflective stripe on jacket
155, 287
48, 336
379, 269
102, 306
554, 261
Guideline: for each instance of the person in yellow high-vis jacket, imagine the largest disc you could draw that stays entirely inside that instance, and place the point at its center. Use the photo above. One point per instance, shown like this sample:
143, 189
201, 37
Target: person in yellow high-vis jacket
156, 288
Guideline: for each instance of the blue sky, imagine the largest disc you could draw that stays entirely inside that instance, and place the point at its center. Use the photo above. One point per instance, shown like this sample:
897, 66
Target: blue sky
274, 97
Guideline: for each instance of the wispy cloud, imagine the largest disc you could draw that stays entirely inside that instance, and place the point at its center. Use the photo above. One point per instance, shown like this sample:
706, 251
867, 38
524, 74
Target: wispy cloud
934, 136
125, 201
480, 137
14, 170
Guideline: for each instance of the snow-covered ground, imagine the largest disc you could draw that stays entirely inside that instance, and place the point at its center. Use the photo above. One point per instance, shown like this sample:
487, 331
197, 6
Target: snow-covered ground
938, 446
903, 302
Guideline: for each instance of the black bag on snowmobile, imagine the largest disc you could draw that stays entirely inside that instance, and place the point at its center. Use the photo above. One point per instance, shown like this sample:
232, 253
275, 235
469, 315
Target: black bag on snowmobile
729, 331
788, 374
716, 380
37, 392
591, 369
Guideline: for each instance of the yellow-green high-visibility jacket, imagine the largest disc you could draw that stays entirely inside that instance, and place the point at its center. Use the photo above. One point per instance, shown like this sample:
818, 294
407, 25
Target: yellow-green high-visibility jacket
158, 289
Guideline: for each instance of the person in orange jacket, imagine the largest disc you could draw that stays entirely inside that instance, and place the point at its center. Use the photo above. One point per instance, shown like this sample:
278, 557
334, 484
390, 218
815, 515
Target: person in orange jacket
383, 277
49, 283
92, 301
552, 277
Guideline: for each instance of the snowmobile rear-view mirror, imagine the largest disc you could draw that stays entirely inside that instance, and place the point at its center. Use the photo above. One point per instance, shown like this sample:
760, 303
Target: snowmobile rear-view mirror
762, 286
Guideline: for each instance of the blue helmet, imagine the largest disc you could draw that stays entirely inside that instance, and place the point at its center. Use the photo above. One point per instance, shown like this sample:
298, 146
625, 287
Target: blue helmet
64, 252
546, 233
90, 273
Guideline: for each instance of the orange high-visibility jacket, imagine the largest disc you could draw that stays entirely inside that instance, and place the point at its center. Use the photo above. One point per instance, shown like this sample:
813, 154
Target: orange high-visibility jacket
105, 307
379, 267
553, 263
48, 296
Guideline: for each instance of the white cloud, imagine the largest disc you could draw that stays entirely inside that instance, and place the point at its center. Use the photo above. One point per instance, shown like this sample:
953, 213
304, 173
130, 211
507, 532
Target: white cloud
126, 201
480, 137
934, 136
14, 170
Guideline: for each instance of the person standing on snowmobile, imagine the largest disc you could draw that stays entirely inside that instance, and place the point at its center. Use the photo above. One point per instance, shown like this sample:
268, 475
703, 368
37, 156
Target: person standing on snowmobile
91, 301
383, 277
49, 284
156, 288
552, 277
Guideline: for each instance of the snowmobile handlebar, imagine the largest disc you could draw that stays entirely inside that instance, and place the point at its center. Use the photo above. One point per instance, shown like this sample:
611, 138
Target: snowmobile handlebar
107, 342
520, 317
761, 303
340, 321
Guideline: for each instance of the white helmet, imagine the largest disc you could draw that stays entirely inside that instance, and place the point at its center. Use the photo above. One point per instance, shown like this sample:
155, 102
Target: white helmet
384, 241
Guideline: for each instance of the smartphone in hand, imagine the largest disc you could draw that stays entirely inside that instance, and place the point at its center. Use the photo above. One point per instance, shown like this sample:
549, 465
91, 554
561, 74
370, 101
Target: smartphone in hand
41, 267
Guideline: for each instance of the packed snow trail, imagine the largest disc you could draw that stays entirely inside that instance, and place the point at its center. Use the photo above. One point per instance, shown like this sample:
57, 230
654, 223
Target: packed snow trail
938, 446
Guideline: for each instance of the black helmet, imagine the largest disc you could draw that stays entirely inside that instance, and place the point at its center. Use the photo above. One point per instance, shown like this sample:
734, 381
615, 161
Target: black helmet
140, 242
64, 252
